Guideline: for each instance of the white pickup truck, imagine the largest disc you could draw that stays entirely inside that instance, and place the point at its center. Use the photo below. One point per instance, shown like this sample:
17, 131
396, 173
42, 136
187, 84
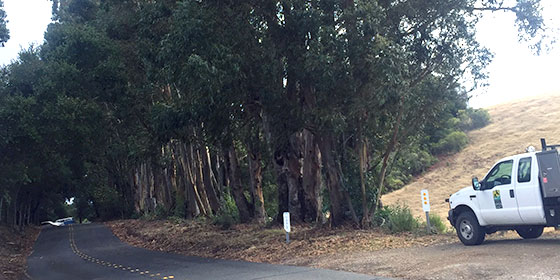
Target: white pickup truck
520, 192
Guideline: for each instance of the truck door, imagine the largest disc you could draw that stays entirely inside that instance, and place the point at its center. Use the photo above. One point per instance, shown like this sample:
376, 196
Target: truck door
496, 198
527, 192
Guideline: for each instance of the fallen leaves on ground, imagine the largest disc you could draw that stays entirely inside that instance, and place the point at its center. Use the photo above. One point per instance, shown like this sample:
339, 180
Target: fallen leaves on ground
14, 249
258, 243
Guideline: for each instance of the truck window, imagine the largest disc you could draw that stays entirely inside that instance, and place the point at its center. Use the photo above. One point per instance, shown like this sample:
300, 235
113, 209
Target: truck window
499, 175
524, 170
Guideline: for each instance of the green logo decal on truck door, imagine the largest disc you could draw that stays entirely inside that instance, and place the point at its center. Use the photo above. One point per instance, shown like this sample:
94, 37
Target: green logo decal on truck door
497, 199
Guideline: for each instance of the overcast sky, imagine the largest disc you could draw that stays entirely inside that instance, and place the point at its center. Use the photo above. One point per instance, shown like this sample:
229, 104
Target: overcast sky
514, 73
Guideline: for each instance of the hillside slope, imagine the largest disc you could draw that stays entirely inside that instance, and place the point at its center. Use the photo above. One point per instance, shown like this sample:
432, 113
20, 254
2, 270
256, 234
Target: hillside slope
514, 126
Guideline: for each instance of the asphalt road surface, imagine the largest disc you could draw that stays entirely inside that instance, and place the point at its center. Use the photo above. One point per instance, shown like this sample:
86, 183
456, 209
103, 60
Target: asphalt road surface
93, 252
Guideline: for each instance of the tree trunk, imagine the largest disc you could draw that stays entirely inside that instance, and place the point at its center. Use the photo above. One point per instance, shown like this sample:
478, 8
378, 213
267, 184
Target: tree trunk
362, 152
312, 178
209, 180
281, 184
255, 174
294, 179
236, 187
388, 152
332, 180
199, 179
1, 208
194, 205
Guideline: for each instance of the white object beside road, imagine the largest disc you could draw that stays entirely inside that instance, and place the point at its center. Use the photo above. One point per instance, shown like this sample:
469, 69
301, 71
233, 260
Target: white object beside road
286, 216
425, 200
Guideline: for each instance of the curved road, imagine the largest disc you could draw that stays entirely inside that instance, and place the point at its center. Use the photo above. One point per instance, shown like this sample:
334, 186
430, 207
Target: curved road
93, 252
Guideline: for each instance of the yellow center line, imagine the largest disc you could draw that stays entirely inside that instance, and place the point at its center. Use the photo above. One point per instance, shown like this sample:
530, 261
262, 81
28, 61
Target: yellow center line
77, 252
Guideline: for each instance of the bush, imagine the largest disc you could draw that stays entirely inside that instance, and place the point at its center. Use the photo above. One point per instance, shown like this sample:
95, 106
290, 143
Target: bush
437, 223
479, 118
396, 219
473, 118
228, 214
452, 143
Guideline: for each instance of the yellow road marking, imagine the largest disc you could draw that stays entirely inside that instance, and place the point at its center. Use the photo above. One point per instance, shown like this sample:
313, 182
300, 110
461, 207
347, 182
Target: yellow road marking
77, 252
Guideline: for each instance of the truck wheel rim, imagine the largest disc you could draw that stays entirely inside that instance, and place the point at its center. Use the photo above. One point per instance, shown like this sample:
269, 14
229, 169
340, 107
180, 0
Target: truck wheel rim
466, 229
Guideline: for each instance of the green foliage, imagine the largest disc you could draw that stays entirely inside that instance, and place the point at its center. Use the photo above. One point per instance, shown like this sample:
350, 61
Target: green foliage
452, 143
180, 207
115, 81
160, 212
437, 223
228, 214
473, 118
4, 32
396, 219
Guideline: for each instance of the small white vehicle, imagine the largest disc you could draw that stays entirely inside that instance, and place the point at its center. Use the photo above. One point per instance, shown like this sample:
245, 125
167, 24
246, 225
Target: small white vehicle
60, 222
520, 192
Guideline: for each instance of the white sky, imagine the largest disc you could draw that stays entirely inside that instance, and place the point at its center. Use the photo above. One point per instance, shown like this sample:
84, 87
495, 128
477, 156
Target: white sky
27, 22
514, 73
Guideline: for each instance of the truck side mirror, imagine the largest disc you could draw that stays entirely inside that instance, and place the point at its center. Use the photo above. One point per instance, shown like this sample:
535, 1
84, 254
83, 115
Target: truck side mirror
475, 183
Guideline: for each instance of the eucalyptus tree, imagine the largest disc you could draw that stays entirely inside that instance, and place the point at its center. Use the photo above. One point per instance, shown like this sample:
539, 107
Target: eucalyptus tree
4, 32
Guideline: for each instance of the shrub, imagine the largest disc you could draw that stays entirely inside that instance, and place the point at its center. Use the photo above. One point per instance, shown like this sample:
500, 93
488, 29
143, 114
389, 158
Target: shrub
396, 219
479, 118
470, 119
160, 212
228, 214
437, 223
452, 143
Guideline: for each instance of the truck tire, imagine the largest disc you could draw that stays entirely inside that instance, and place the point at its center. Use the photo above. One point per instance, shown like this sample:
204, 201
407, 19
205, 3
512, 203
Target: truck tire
469, 230
530, 232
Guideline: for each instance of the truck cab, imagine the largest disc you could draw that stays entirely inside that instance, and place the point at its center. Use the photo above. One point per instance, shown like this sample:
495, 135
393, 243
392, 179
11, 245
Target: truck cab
520, 192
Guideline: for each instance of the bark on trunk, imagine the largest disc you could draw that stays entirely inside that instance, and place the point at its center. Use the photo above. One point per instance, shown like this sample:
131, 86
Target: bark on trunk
199, 181
255, 174
1, 208
237, 188
209, 181
390, 148
362, 151
312, 178
282, 184
294, 176
332, 180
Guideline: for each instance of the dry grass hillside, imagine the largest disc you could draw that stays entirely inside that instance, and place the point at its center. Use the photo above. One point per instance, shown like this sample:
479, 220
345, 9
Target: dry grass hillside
514, 126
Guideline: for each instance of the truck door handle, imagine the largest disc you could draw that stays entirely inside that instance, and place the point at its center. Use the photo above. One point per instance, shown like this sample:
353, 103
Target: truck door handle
511, 194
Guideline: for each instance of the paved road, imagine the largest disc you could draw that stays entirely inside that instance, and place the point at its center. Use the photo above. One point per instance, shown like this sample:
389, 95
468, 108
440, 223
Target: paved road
93, 252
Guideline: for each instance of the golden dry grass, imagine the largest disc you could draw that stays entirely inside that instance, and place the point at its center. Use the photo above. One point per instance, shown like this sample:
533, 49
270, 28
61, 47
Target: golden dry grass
514, 126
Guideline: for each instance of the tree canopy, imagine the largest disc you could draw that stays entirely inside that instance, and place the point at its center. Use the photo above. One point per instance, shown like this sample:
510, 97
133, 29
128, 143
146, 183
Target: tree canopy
4, 32
239, 109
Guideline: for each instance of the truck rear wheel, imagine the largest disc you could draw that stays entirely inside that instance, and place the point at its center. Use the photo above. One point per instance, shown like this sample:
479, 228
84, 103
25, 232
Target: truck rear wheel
469, 230
530, 232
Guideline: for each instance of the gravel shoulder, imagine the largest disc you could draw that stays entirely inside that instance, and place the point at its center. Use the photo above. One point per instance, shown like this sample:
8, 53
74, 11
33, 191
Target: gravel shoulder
501, 256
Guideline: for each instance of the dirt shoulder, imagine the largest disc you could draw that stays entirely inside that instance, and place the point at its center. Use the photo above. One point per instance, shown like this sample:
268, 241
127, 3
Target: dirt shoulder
501, 256
15, 247
405, 256
260, 244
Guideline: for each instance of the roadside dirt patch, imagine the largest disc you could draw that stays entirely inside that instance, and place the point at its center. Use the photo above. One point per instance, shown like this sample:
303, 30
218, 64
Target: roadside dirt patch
501, 256
14, 249
405, 256
260, 244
